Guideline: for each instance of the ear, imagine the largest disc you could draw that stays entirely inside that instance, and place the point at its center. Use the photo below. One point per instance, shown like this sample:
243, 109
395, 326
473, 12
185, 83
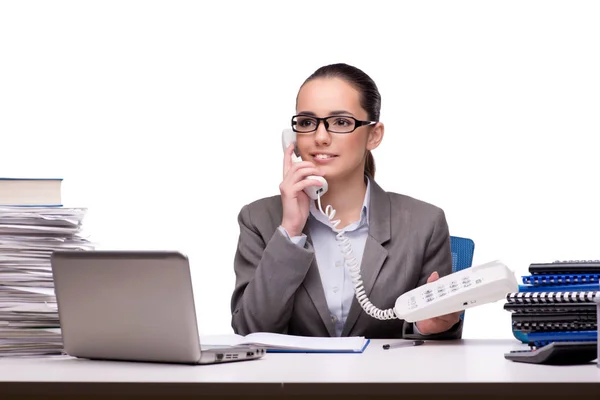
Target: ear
375, 136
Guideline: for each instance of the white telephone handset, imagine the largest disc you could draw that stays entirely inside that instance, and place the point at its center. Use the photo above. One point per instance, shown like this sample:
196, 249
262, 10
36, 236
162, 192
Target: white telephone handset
314, 192
463, 289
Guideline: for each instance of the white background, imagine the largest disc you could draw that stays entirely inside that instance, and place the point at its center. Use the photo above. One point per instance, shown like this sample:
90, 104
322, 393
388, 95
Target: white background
164, 118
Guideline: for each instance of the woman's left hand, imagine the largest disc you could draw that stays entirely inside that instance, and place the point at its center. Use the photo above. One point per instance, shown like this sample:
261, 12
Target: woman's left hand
437, 324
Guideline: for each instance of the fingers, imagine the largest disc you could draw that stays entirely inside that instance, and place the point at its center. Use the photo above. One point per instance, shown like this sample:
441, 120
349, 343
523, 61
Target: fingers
294, 180
295, 183
438, 324
433, 277
451, 318
287, 159
300, 170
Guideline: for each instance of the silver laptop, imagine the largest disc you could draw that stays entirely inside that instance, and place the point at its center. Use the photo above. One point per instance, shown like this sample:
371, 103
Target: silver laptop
133, 306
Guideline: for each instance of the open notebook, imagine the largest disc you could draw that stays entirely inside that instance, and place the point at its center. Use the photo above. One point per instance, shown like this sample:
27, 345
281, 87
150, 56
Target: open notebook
279, 343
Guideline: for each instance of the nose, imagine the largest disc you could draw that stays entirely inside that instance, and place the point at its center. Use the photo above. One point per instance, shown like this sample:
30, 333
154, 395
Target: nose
322, 137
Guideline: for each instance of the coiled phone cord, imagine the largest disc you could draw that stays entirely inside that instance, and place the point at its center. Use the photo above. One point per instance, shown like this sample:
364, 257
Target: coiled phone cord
354, 268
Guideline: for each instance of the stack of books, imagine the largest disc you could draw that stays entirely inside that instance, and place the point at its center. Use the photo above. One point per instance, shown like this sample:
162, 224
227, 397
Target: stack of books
556, 303
33, 223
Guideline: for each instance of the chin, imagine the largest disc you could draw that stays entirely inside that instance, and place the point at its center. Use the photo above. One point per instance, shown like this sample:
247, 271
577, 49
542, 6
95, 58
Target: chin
337, 172
333, 175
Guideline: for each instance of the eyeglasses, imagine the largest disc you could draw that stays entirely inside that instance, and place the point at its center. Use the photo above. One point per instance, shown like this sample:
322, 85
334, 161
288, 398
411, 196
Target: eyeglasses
334, 124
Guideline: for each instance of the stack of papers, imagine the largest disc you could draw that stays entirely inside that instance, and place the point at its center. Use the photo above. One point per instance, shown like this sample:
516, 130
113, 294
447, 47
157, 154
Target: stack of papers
29, 323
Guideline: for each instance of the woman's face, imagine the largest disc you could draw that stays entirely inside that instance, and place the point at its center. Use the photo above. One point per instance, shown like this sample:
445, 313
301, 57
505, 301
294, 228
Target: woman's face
338, 155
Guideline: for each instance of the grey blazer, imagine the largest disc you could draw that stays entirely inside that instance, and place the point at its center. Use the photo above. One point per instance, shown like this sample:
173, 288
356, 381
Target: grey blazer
278, 287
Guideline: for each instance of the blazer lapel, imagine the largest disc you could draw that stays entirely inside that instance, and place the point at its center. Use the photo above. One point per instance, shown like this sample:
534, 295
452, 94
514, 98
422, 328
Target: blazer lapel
375, 253
314, 287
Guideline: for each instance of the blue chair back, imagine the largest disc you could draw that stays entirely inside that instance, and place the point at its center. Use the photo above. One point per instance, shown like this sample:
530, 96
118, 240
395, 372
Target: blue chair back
462, 252
462, 255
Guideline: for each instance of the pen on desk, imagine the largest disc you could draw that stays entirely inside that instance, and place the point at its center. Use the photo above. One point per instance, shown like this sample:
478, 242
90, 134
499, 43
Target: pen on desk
403, 344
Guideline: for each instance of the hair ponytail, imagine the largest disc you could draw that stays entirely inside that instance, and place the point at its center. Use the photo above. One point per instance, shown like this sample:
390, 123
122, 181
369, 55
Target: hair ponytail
370, 165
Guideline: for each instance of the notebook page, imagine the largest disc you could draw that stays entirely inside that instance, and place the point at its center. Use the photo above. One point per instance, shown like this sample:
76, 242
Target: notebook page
280, 341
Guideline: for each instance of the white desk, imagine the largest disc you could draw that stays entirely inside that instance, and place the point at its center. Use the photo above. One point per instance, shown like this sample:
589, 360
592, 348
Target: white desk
461, 368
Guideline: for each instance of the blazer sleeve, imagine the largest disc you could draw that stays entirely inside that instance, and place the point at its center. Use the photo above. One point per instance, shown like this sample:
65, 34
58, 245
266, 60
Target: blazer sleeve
268, 273
438, 257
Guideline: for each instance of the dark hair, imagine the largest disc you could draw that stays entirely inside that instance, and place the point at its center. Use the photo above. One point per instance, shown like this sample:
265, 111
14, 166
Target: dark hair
370, 99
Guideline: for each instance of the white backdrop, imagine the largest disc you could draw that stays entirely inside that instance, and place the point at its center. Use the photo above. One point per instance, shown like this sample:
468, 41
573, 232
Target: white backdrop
164, 118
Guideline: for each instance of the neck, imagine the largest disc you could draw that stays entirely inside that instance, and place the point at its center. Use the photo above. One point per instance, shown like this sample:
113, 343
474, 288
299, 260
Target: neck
346, 197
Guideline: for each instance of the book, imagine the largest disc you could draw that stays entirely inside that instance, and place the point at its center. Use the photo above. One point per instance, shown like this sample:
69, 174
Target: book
554, 317
550, 308
580, 287
30, 191
556, 302
565, 267
536, 327
280, 343
560, 279
551, 297
543, 338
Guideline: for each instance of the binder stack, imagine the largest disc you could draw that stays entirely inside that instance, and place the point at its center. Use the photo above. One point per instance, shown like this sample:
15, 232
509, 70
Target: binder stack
29, 323
556, 303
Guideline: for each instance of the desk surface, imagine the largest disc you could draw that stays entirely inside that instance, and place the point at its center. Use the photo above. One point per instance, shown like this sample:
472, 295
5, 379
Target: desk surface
475, 367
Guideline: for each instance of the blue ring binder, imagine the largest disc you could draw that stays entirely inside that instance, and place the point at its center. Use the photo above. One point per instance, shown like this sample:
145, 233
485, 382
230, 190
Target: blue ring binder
560, 279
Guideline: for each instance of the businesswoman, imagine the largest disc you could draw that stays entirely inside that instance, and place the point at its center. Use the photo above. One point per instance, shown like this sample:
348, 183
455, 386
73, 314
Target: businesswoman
291, 276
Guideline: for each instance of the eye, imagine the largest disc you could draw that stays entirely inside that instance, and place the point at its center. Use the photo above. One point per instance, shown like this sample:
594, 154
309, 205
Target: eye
343, 122
305, 122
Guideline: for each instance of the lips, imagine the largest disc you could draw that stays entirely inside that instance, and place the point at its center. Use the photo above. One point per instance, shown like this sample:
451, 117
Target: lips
323, 156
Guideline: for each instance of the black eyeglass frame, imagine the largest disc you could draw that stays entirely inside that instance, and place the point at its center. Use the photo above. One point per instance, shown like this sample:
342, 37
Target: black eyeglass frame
357, 123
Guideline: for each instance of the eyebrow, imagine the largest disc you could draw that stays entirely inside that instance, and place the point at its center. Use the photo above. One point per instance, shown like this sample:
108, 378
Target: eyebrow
337, 112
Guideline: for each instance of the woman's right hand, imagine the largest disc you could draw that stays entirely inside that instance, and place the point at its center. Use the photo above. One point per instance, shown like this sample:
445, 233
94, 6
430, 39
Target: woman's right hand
294, 201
